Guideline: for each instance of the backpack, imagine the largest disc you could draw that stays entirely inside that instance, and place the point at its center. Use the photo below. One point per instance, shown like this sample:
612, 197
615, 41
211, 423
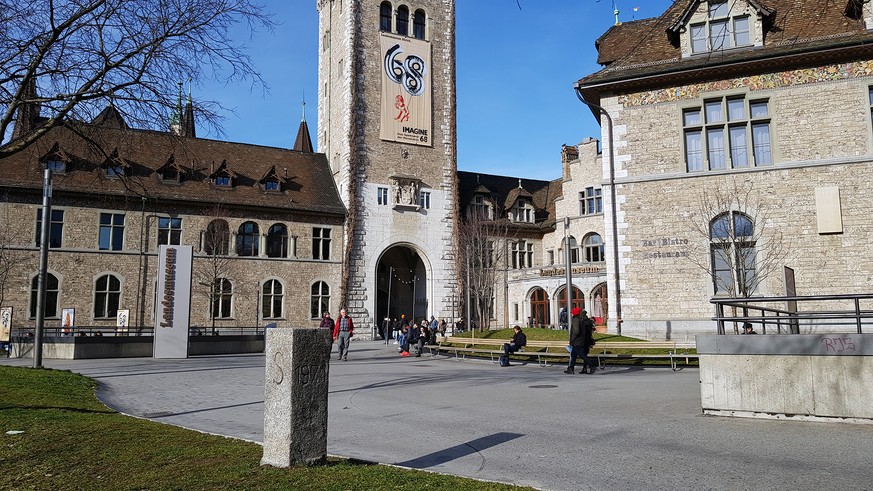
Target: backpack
504, 361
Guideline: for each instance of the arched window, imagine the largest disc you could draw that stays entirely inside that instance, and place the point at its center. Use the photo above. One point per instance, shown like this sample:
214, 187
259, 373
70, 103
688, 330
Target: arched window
578, 299
277, 241
52, 292
216, 239
107, 295
592, 249
320, 300
418, 24
385, 17
272, 299
403, 20
222, 299
247, 239
539, 307
732, 246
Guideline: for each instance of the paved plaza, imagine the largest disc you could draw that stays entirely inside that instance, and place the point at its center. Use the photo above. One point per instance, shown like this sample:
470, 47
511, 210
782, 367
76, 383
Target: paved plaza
621, 428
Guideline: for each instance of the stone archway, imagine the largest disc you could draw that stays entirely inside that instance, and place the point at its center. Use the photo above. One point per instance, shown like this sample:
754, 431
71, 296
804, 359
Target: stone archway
539, 308
401, 285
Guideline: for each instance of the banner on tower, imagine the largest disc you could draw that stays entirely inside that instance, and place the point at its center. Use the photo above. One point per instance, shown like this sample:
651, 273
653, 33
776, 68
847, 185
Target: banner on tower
406, 91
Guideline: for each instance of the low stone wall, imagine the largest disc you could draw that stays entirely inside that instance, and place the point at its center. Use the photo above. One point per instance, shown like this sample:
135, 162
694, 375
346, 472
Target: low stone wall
80, 348
811, 377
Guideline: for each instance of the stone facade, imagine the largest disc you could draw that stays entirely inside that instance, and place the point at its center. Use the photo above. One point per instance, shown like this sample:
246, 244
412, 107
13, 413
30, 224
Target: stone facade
350, 74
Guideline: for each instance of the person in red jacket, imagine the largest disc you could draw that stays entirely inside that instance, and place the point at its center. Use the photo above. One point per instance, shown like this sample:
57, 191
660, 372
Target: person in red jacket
343, 332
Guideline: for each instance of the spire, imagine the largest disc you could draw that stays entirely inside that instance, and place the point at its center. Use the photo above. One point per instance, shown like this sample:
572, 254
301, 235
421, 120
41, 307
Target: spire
187, 121
28, 112
615, 12
303, 142
519, 184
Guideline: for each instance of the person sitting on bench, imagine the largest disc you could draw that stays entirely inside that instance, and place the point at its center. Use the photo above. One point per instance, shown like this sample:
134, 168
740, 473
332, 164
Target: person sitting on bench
518, 341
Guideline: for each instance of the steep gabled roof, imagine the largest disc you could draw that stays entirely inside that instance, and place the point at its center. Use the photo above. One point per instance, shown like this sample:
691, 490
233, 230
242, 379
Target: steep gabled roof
646, 53
311, 189
503, 189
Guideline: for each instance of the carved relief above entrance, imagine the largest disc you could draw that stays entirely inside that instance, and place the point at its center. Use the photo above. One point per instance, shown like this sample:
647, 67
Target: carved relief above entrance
405, 192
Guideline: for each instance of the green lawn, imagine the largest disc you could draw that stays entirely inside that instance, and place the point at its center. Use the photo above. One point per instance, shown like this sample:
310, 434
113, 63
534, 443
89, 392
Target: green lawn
71, 441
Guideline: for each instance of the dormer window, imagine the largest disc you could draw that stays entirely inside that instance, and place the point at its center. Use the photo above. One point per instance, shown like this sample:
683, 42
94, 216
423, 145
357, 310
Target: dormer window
271, 185
115, 171
720, 30
222, 181
56, 166
170, 172
481, 208
223, 176
523, 212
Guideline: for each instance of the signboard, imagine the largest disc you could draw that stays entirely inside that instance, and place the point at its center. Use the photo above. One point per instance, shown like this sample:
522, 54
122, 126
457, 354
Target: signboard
5, 324
173, 305
406, 91
122, 319
68, 320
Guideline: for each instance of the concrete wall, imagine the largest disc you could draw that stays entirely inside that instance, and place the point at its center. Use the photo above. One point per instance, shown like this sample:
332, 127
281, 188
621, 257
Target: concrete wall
803, 376
80, 348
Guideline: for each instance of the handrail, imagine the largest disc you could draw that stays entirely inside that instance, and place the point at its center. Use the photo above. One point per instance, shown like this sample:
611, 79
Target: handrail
790, 318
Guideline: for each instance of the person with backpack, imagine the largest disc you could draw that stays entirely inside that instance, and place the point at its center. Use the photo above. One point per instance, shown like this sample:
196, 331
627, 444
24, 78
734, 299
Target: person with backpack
519, 340
581, 340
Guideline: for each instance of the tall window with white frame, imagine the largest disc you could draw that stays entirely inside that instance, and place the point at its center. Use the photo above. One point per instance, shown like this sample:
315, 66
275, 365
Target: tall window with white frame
424, 199
222, 299
111, 236
720, 30
522, 254
272, 299
523, 212
593, 249
52, 294
56, 228
321, 243
591, 201
107, 297
319, 299
733, 255
382, 195
730, 132
169, 231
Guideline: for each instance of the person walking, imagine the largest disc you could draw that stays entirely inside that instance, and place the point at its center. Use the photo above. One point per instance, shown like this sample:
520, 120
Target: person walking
326, 321
342, 332
581, 340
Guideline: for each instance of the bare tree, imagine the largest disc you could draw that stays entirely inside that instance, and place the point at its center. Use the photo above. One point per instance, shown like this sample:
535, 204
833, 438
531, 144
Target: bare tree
743, 250
480, 239
73, 58
11, 257
212, 269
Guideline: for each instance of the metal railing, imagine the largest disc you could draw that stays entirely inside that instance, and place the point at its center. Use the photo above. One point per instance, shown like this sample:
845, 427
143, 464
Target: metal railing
820, 313
109, 331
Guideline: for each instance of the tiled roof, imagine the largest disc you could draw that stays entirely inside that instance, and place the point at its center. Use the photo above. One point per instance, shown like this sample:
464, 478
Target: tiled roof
308, 187
504, 190
645, 49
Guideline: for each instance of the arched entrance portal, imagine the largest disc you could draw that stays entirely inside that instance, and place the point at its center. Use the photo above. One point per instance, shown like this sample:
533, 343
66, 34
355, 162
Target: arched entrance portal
401, 285
539, 308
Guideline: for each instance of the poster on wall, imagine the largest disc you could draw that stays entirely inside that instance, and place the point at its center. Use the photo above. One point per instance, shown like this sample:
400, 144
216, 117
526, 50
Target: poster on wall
121, 320
5, 324
406, 90
68, 320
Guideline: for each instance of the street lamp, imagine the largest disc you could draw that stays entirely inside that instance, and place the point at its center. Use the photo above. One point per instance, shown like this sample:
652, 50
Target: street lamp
615, 274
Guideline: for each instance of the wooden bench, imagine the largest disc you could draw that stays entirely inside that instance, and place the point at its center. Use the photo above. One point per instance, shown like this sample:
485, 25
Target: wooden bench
546, 351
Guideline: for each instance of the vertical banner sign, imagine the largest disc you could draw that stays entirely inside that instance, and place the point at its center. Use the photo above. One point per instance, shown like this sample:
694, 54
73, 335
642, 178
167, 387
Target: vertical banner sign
122, 319
68, 320
5, 324
406, 91
173, 309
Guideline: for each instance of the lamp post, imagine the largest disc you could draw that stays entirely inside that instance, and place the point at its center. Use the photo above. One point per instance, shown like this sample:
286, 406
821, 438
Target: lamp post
569, 276
616, 278
43, 267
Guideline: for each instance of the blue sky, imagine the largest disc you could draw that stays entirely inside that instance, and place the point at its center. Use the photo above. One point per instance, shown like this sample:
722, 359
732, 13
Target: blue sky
515, 74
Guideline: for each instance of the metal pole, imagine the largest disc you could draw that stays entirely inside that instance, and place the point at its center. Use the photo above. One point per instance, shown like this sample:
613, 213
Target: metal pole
569, 275
388, 311
412, 316
616, 275
469, 293
43, 267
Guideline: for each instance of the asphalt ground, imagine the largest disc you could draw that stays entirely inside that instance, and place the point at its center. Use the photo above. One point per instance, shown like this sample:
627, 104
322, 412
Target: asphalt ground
621, 428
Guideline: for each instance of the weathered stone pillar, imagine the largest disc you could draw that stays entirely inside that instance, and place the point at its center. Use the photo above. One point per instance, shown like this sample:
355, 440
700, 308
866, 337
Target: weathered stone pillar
295, 396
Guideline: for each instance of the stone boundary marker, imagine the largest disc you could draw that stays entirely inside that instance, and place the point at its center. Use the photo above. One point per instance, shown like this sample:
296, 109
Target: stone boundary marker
295, 396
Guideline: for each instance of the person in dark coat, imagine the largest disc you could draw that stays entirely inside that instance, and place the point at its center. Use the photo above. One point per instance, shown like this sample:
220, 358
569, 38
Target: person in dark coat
519, 340
581, 340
